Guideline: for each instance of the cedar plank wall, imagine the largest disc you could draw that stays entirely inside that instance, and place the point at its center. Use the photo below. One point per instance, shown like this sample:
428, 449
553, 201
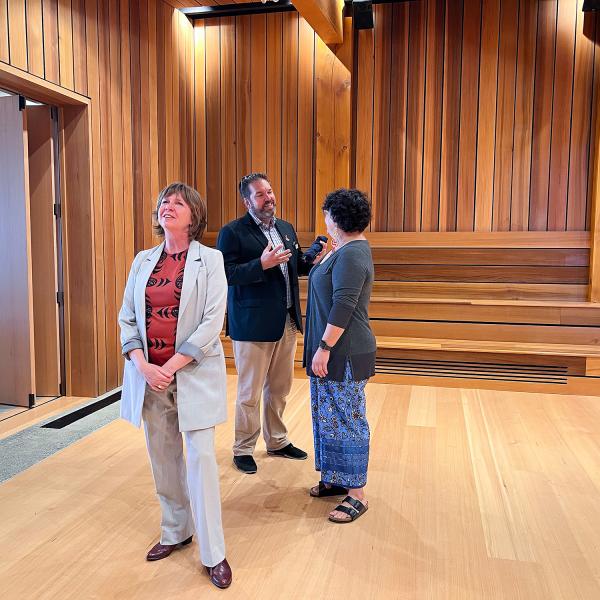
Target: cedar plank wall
134, 60
476, 116
270, 97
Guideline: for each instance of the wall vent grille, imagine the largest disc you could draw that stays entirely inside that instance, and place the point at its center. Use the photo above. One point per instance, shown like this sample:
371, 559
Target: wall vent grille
553, 374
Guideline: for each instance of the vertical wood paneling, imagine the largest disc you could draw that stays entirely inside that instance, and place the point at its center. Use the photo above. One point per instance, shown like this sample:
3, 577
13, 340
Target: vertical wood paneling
581, 124
260, 102
592, 222
127, 145
35, 40
213, 124
505, 114
523, 133
135, 61
333, 127
255, 105
227, 141
173, 103
162, 53
305, 165
486, 126
498, 115
152, 91
561, 116
467, 153
93, 84
289, 118
17, 28
274, 100
108, 213
451, 114
79, 46
415, 111
325, 117
200, 110
4, 50
398, 98
381, 108
542, 115
117, 171
65, 44
51, 59
138, 69
364, 92
434, 65
342, 120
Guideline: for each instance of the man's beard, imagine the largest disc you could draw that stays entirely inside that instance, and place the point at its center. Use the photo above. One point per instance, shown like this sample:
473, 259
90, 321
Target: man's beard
264, 215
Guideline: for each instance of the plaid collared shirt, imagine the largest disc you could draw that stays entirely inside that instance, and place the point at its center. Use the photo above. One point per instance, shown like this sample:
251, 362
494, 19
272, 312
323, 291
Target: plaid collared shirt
272, 235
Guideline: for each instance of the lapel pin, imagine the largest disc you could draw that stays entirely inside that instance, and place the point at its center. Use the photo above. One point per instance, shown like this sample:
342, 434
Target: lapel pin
287, 238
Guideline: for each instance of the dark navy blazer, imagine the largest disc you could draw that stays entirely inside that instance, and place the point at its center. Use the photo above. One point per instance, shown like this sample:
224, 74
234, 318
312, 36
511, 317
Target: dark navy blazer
257, 299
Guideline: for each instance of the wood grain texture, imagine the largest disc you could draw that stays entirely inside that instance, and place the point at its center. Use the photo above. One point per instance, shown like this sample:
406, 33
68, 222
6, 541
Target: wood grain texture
17, 321
542, 115
581, 134
434, 66
478, 474
4, 45
486, 126
496, 101
468, 124
17, 27
43, 251
415, 115
453, 40
255, 101
505, 116
35, 40
398, 123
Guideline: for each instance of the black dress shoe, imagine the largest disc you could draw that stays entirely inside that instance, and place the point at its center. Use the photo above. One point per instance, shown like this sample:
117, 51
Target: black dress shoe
289, 451
245, 464
160, 551
220, 574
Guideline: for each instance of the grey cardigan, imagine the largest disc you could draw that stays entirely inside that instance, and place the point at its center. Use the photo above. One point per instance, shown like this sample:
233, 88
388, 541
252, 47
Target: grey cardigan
339, 291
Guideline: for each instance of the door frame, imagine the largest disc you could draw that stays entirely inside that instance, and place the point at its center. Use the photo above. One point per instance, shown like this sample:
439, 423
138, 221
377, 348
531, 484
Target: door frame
80, 327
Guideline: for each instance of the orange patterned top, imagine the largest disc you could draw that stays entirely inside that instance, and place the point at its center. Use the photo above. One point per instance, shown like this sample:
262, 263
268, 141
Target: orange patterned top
163, 293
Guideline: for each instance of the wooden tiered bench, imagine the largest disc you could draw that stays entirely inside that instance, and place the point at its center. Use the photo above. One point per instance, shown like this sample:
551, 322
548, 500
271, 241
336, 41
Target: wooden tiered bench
494, 310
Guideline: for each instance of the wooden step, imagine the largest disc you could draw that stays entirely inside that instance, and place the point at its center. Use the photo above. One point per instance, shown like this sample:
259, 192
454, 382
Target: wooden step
448, 345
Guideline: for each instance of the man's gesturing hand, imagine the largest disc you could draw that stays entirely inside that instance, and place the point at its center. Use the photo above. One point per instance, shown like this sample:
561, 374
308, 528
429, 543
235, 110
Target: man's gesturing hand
272, 257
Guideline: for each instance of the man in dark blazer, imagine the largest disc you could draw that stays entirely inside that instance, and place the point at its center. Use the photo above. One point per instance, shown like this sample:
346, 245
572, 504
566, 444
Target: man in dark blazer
262, 262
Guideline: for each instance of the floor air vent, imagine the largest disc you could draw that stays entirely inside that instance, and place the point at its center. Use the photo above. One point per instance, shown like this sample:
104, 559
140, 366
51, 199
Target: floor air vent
471, 370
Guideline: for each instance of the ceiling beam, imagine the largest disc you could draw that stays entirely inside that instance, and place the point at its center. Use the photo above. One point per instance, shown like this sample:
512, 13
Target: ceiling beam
325, 17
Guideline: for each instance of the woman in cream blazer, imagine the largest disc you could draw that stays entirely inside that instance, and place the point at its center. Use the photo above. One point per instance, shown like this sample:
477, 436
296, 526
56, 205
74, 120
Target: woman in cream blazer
184, 391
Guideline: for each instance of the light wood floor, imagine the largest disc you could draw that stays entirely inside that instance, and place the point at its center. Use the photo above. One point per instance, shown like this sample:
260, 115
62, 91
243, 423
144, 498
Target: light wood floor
474, 495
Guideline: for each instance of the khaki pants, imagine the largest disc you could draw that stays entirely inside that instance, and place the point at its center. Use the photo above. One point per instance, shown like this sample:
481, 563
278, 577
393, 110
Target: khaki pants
265, 368
188, 491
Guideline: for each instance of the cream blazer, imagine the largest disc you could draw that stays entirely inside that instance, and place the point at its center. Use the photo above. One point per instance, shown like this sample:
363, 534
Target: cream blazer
201, 384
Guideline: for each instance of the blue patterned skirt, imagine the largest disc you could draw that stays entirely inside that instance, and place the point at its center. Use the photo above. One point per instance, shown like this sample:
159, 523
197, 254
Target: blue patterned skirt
340, 429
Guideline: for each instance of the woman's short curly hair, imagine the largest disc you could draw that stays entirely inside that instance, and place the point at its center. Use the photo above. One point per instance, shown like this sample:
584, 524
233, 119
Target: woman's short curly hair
350, 209
193, 199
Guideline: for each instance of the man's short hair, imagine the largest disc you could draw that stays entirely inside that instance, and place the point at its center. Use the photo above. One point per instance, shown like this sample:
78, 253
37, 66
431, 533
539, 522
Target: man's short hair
246, 180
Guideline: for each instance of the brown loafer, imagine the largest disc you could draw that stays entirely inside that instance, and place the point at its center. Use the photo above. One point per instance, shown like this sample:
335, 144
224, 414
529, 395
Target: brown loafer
220, 574
160, 551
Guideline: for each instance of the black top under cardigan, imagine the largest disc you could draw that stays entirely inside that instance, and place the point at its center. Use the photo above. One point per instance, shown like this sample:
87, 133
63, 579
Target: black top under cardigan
339, 291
